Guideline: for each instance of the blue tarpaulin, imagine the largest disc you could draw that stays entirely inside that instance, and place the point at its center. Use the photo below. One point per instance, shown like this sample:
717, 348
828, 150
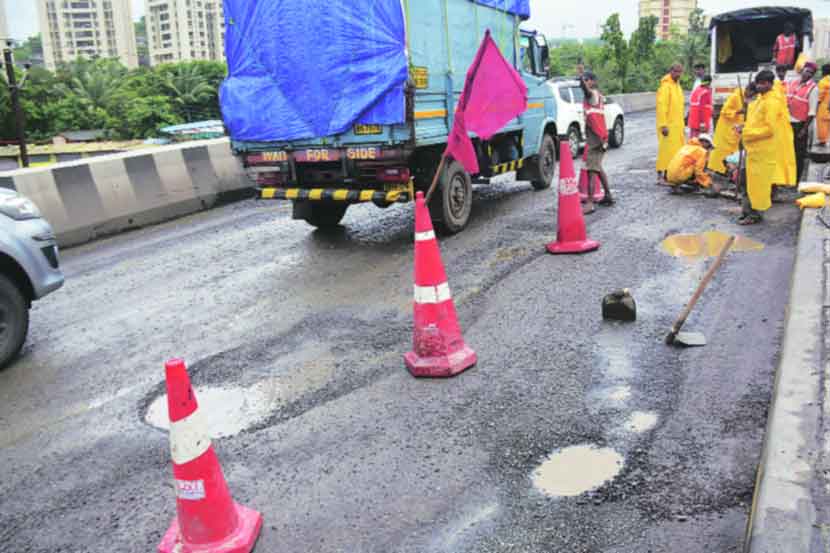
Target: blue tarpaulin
313, 68
518, 7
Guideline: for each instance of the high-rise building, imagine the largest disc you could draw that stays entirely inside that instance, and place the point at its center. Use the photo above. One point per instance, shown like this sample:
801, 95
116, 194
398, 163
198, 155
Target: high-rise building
179, 30
670, 13
4, 28
821, 32
86, 28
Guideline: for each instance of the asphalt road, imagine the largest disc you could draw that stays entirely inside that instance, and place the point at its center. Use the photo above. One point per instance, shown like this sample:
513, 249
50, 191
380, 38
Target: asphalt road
348, 452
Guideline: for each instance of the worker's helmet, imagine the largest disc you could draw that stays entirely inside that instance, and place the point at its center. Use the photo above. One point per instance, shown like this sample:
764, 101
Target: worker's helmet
706, 140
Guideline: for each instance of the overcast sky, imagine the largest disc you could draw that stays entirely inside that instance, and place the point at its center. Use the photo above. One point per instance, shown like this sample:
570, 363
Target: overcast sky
572, 18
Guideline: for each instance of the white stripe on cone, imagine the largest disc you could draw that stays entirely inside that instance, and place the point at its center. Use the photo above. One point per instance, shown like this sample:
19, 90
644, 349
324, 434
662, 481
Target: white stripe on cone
189, 438
432, 294
424, 236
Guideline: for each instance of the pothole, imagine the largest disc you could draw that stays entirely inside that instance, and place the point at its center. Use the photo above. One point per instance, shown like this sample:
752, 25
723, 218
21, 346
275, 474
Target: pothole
227, 410
706, 244
641, 421
577, 469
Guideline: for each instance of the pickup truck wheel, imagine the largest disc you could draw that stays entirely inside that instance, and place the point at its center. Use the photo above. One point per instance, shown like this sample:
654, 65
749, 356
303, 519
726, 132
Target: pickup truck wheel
546, 164
452, 202
617, 133
574, 139
14, 320
325, 214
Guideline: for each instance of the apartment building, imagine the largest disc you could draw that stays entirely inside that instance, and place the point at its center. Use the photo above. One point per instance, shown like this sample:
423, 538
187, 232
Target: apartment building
669, 13
821, 33
87, 28
180, 30
4, 27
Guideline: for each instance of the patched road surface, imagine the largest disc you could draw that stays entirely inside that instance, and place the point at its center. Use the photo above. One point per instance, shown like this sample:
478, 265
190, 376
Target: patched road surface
570, 434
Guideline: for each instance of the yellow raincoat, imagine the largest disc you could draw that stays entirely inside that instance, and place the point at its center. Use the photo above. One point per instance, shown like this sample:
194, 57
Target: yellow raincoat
823, 115
727, 141
761, 144
785, 165
689, 163
670, 109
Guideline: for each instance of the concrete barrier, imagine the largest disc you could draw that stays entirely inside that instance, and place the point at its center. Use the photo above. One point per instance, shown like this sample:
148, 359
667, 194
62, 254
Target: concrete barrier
632, 103
87, 199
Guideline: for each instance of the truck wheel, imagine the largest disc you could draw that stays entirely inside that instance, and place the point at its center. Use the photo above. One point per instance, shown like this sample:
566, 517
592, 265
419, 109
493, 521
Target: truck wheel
325, 214
544, 168
452, 202
14, 320
574, 139
615, 140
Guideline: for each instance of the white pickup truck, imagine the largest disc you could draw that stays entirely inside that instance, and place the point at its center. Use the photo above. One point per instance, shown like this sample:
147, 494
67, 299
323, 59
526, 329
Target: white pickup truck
742, 43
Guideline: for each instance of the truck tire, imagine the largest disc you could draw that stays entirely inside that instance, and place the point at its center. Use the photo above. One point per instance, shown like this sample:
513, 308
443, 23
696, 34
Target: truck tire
452, 202
574, 140
542, 170
325, 214
617, 135
14, 320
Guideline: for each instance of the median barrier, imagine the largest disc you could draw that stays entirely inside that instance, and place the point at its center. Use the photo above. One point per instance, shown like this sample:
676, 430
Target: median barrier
633, 103
90, 198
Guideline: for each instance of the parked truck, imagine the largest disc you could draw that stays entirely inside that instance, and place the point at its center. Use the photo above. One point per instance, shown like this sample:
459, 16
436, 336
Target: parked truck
742, 45
334, 103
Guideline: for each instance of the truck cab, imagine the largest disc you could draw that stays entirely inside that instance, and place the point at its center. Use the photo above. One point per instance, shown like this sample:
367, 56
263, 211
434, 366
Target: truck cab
742, 45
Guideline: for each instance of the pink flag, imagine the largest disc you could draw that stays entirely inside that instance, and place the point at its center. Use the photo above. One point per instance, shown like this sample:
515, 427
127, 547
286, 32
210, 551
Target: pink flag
493, 95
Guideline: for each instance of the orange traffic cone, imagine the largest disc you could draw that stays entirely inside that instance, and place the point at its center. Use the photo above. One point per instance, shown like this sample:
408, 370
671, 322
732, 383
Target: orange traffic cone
571, 237
438, 349
599, 193
208, 520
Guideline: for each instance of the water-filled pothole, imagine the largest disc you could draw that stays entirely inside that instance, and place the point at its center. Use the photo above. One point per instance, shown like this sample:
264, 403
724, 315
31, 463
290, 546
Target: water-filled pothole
706, 244
577, 469
228, 411
641, 421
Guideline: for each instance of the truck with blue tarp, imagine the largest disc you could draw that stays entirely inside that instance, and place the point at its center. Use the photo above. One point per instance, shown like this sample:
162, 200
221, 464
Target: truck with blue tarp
330, 103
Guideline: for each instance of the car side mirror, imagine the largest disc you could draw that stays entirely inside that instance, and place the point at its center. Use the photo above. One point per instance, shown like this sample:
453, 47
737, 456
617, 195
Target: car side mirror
546, 61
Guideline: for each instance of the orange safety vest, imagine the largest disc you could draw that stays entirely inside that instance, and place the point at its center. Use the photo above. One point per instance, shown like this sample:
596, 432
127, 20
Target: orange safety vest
700, 108
595, 118
798, 98
786, 49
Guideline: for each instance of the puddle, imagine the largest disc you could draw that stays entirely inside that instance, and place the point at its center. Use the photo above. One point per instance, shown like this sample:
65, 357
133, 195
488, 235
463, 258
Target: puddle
641, 421
577, 469
707, 244
228, 411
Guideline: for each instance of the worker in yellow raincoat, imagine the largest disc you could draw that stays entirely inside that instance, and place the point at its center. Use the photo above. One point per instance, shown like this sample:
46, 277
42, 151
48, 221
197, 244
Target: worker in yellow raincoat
785, 162
760, 143
823, 115
671, 129
726, 141
688, 167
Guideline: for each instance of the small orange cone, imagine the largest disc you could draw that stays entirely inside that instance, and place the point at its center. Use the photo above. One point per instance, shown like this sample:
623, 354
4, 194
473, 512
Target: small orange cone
571, 236
599, 193
438, 349
208, 520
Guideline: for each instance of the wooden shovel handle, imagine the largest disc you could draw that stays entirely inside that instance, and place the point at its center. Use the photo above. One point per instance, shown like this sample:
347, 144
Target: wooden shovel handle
702, 286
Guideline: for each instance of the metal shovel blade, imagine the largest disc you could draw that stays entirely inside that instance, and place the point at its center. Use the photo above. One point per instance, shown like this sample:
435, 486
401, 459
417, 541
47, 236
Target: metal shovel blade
690, 339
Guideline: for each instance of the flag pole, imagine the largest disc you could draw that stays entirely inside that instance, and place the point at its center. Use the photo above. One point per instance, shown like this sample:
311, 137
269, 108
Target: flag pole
435, 178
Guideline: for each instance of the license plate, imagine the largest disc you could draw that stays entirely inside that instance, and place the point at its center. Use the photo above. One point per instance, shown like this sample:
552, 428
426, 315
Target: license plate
368, 129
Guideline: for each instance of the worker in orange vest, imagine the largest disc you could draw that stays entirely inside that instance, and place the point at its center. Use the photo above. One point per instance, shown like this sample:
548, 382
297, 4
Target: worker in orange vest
823, 115
802, 101
700, 108
786, 46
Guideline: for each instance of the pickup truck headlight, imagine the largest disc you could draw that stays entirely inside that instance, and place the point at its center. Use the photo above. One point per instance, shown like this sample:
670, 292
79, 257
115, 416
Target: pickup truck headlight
19, 208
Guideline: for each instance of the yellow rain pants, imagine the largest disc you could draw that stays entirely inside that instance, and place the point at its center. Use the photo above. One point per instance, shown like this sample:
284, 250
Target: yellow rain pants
823, 116
670, 109
759, 140
785, 166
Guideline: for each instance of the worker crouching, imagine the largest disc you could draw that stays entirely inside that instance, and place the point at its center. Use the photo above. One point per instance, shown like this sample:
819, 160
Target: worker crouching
687, 169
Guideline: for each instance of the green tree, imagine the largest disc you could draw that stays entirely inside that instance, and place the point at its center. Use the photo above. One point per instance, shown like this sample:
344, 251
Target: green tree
615, 50
641, 44
189, 89
694, 46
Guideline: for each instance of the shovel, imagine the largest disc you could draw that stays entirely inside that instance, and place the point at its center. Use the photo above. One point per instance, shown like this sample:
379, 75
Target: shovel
696, 339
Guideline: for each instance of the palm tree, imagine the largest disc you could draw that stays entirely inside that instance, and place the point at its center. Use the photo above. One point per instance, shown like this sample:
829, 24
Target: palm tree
188, 88
93, 82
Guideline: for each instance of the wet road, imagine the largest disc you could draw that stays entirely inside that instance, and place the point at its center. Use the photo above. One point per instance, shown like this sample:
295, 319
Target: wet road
342, 450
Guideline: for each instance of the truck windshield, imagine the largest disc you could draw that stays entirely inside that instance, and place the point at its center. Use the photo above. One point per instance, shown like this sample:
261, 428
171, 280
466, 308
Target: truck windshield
743, 46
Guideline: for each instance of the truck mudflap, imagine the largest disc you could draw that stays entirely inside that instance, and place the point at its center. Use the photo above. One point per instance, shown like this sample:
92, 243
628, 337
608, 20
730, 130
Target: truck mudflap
391, 194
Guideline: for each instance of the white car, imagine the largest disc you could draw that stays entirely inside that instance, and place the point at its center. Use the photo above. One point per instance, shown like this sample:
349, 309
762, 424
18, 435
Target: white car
570, 115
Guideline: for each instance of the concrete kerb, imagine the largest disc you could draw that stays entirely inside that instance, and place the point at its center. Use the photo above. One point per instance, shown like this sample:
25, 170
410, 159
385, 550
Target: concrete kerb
791, 490
90, 198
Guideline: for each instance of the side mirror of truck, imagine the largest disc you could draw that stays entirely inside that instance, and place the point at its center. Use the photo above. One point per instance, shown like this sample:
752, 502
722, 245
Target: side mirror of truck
546, 61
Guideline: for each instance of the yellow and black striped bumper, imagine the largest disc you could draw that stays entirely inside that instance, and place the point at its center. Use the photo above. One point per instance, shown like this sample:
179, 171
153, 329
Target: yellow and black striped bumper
337, 195
502, 168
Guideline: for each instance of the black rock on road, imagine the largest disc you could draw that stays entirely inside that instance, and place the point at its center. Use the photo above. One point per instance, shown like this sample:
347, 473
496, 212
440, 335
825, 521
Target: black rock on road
295, 340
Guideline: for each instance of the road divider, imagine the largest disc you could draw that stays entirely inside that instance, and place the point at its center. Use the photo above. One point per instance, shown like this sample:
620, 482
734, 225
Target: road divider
90, 198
